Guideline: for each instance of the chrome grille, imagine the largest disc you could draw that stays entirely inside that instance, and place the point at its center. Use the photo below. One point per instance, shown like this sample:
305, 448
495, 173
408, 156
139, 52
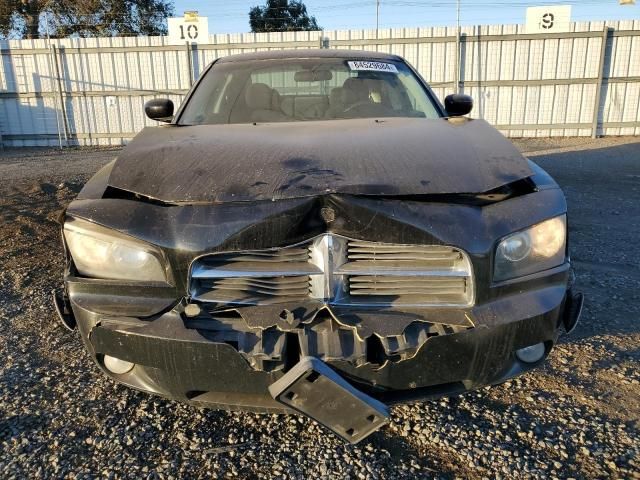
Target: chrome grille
338, 271
282, 262
395, 274
253, 277
411, 256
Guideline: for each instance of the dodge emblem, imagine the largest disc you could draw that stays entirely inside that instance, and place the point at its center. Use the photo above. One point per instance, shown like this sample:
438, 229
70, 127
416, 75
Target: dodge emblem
328, 214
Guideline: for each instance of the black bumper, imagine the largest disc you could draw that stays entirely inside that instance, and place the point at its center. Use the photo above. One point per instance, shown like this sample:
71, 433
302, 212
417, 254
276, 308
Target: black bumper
177, 362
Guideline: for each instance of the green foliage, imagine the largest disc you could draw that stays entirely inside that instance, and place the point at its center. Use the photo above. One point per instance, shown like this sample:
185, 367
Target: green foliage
281, 16
84, 18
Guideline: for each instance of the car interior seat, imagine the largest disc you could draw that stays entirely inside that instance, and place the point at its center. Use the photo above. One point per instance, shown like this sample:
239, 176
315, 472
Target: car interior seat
335, 102
355, 91
263, 104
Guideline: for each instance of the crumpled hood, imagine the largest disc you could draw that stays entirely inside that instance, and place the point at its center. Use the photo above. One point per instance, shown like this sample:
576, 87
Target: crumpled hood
397, 156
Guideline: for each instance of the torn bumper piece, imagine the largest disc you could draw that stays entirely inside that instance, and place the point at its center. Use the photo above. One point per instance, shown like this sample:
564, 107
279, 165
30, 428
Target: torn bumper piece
572, 310
315, 390
63, 310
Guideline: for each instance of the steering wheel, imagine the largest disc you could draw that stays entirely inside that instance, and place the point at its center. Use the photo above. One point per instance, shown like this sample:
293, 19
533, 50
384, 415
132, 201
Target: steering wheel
361, 103
309, 113
368, 109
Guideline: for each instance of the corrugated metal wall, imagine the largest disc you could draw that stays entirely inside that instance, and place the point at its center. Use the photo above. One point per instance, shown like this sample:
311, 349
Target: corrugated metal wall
92, 91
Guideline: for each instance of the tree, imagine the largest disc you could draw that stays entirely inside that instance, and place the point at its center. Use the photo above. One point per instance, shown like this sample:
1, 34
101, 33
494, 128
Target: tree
281, 16
84, 18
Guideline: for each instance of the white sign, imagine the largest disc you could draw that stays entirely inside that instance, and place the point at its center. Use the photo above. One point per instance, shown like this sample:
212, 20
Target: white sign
188, 29
551, 19
373, 66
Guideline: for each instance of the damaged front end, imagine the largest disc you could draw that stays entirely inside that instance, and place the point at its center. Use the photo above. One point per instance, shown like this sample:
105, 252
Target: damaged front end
398, 296
341, 299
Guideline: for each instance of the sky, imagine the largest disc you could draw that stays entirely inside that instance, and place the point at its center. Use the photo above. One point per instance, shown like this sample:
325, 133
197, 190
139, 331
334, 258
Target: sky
231, 16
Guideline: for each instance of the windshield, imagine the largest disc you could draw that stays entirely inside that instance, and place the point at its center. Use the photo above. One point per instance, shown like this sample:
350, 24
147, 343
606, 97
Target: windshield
307, 89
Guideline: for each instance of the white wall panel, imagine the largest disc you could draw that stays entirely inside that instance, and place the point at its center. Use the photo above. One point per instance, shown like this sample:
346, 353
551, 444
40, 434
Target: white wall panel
105, 87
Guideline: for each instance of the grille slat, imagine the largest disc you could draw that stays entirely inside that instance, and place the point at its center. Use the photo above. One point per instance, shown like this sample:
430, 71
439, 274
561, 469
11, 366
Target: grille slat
255, 270
247, 290
409, 280
397, 247
297, 254
363, 287
398, 257
300, 287
261, 282
432, 270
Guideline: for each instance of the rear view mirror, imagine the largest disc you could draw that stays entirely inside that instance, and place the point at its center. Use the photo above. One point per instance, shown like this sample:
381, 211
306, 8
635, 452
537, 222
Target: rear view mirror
458, 104
159, 109
312, 75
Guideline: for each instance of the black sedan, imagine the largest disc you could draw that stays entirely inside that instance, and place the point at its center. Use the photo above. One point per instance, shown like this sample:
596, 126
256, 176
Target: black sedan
313, 231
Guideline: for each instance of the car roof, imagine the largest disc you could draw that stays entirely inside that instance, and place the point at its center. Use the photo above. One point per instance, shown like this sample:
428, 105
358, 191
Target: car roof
310, 53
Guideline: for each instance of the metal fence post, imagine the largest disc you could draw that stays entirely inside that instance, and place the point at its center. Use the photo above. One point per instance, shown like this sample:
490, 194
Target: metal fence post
189, 64
52, 58
65, 122
598, 97
456, 84
52, 53
480, 59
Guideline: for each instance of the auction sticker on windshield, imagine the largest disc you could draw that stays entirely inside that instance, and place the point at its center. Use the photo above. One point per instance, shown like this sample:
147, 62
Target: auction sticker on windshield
373, 66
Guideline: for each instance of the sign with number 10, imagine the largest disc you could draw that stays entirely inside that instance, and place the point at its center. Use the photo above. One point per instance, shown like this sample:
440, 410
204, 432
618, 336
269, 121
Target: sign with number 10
188, 29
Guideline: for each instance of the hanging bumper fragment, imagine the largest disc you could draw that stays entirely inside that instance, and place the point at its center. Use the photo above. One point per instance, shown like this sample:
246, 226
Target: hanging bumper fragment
312, 388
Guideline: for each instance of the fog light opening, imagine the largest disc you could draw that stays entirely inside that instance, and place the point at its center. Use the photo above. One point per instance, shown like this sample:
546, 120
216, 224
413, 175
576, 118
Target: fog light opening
117, 366
531, 354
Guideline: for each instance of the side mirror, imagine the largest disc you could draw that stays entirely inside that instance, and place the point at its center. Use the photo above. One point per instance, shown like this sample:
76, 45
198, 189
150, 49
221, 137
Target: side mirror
160, 109
458, 104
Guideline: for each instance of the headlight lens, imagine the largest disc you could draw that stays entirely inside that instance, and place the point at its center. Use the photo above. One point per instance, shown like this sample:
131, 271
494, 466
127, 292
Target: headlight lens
101, 253
516, 247
538, 248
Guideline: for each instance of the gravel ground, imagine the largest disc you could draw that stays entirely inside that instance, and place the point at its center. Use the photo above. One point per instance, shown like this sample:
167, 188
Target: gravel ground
577, 416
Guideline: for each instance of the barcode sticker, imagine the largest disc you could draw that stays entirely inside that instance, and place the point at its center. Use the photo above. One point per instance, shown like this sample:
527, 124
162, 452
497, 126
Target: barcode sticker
360, 65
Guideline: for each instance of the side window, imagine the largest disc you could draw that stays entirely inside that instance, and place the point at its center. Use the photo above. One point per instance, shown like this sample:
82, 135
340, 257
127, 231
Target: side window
398, 99
416, 95
221, 101
211, 99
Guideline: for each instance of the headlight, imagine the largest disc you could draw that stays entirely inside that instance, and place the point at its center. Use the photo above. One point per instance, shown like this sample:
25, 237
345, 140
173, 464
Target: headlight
101, 253
538, 248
